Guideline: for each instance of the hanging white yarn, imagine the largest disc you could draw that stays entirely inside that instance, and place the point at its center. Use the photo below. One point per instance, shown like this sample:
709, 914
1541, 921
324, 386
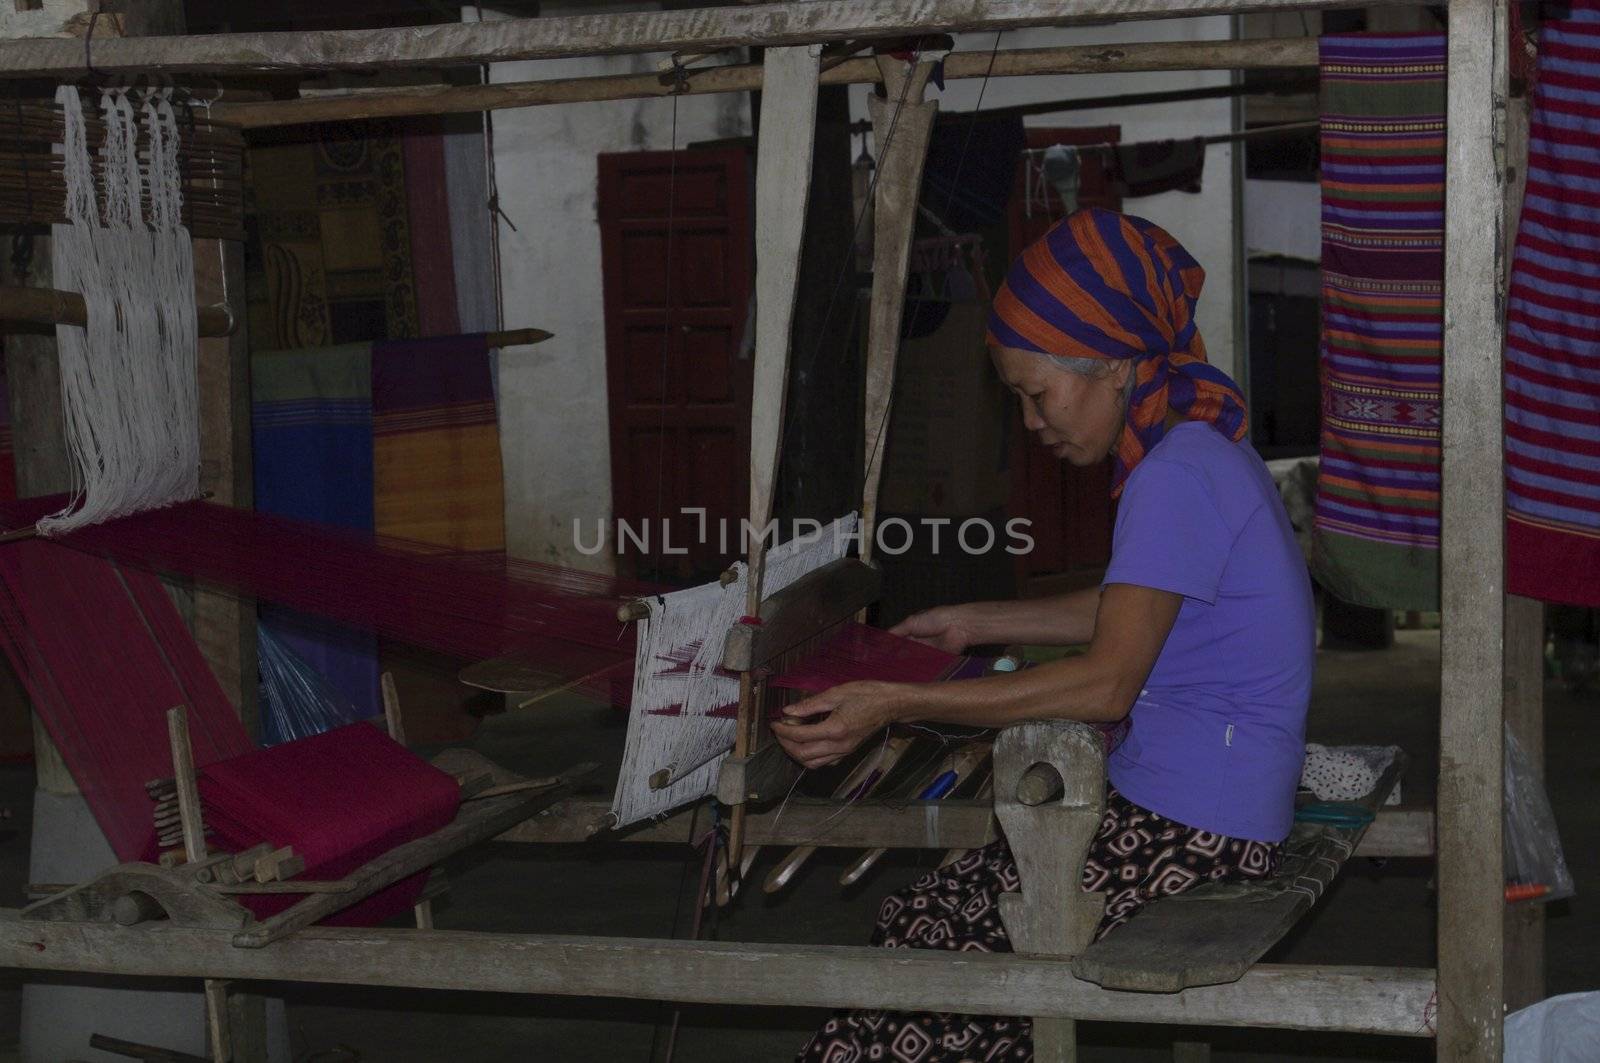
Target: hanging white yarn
690, 745
129, 393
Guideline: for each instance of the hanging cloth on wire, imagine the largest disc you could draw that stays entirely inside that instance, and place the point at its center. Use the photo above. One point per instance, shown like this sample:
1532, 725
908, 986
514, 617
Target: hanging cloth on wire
1552, 371
1376, 537
1155, 166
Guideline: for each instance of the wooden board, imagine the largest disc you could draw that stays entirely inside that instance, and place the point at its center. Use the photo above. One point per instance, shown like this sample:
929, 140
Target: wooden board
954, 823
357, 104
1471, 871
1385, 1000
693, 29
1214, 933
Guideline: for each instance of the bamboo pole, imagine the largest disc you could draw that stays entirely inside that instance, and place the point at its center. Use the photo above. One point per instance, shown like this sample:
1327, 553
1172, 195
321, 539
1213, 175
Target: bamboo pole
1261, 54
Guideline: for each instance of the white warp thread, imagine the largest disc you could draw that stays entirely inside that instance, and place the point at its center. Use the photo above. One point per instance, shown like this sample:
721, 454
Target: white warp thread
691, 745
129, 392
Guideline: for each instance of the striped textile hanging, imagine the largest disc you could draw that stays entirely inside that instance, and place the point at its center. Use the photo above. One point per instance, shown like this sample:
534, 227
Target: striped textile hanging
1376, 538
1553, 329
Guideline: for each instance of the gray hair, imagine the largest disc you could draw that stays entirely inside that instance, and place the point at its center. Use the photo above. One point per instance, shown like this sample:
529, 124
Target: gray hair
1091, 367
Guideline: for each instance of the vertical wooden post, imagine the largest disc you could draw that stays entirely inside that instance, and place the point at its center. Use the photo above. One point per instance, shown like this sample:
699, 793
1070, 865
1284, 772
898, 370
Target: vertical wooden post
224, 625
1472, 553
1524, 653
902, 121
783, 184
423, 909
194, 850
1049, 795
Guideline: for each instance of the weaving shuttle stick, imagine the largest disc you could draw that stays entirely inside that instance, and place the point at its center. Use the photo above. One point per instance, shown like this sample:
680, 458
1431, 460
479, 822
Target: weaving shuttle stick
899, 184
194, 851
783, 187
422, 910
861, 783
961, 764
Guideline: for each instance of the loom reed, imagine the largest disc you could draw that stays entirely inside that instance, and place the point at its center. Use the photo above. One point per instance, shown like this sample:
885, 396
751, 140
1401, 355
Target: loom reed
33, 191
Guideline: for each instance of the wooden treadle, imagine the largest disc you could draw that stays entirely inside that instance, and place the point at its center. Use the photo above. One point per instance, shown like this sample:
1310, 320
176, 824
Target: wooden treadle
1214, 934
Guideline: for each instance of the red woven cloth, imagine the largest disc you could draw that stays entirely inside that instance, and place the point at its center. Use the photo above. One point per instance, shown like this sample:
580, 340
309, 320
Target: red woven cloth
104, 654
340, 798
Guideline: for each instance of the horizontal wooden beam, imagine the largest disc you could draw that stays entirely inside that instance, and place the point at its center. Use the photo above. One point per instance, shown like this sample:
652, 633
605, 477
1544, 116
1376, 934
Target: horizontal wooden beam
1266, 53
1378, 1000
958, 823
693, 29
49, 306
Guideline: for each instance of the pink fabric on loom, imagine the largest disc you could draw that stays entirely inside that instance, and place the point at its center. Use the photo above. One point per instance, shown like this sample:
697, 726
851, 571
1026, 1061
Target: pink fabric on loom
104, 654
410, 592
340, 798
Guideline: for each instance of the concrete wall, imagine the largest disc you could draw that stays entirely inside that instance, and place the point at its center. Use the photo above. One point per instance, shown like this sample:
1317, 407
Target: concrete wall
1283, 218
553, 413
553, 407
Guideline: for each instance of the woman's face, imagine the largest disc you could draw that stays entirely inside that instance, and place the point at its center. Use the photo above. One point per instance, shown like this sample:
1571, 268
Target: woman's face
1078, 417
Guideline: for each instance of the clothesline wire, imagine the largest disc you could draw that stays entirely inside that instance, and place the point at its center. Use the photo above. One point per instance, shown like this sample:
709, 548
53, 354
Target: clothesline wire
1218, 138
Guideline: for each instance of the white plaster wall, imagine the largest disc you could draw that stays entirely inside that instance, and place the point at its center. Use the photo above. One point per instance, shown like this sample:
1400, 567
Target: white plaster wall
553, 409
1203, 222
1283, 218
553, 413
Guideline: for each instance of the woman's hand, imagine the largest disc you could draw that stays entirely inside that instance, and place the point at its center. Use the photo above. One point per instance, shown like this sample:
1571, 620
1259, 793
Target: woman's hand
850, 714
946, 627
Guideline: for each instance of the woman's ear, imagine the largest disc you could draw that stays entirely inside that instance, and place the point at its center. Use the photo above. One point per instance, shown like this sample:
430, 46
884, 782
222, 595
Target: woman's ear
1118, 374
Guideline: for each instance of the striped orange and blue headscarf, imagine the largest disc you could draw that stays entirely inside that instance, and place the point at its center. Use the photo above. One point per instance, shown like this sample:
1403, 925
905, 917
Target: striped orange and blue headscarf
1105, 285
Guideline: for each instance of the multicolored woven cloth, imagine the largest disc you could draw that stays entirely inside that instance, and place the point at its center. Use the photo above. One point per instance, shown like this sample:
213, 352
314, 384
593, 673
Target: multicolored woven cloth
311, 426
1376, 539
436, 444
1100, 284
1553, 329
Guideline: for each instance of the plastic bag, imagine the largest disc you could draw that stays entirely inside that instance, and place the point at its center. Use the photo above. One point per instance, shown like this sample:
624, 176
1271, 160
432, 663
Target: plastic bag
1536, 869
296, 701
1564, 1029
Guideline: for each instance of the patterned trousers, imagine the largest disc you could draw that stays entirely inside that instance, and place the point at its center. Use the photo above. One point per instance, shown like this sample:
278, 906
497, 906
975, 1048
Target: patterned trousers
1135, 857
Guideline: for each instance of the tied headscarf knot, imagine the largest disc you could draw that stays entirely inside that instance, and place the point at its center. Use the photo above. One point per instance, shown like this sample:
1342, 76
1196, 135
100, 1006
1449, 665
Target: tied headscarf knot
1105, 285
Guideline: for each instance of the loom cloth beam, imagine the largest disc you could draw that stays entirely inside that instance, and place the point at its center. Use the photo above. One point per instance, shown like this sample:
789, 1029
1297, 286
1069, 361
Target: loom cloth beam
783, 187
902, 122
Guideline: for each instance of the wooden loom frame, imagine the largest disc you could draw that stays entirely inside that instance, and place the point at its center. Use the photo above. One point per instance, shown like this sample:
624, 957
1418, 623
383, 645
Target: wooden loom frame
1480, 676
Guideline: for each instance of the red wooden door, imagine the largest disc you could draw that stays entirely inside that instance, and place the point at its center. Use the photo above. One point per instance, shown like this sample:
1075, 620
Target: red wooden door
677, 376
1070, 508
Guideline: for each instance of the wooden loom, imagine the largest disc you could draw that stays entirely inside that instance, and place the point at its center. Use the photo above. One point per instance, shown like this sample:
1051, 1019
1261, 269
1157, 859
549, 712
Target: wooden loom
1469, 981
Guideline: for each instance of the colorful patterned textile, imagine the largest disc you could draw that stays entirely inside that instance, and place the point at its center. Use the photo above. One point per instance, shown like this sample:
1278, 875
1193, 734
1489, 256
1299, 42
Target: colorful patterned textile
436, 445
329, 250
1376, 539
1553, 330
1135, 857
1104, 285
311, 425
399, 438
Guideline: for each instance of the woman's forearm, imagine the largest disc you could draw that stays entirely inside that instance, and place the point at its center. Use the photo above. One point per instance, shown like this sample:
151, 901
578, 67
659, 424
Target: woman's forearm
1078, 688
1060, 620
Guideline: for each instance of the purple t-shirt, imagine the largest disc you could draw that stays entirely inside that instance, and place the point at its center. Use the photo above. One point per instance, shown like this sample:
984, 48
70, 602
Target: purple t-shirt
1219, 729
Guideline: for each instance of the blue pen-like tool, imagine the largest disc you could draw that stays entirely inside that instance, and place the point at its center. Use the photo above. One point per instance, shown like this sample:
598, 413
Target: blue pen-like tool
956, 767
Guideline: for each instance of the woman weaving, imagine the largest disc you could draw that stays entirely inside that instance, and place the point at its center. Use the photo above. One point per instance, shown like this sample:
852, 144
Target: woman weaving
1201, 634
